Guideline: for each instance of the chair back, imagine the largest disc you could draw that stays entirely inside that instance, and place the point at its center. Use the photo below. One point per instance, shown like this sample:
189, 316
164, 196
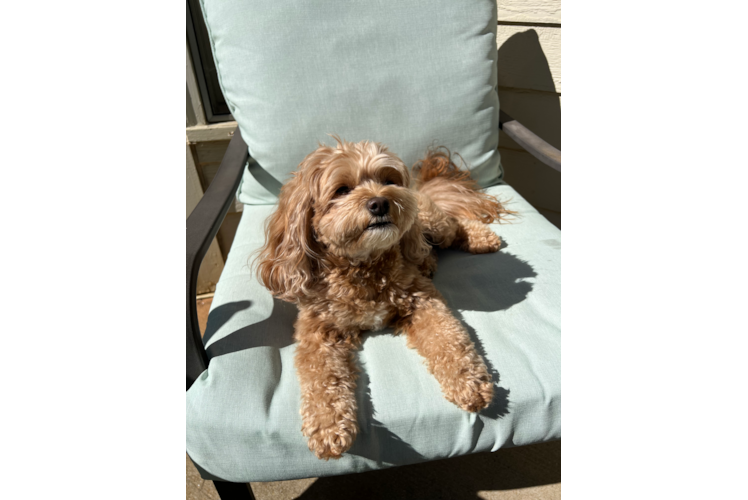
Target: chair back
410, 74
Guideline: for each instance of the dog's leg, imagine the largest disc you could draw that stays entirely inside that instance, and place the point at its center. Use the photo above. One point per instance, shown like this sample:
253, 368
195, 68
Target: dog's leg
440, 229
327, 374
475, 237
450, 355
446, 231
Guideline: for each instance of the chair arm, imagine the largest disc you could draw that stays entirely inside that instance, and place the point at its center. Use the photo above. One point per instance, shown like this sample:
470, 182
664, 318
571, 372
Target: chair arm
531, 142
202, 227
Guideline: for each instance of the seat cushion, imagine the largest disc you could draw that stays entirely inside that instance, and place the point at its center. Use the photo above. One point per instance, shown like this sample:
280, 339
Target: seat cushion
407, 74
243, 421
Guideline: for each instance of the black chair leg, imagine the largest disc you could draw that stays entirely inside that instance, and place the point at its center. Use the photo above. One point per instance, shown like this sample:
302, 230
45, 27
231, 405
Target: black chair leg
234, 491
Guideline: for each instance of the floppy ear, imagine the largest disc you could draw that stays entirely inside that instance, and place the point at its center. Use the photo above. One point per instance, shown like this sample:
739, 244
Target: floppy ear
287, 262
413, 244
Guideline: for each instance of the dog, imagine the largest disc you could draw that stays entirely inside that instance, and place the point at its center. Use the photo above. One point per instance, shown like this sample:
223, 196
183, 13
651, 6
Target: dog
352, 244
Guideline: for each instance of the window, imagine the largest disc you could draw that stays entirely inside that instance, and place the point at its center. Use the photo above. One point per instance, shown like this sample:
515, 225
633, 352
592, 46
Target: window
214, 104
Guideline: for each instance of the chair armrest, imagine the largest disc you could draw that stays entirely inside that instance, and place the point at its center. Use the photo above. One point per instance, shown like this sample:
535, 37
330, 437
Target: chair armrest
202, 227
531, 142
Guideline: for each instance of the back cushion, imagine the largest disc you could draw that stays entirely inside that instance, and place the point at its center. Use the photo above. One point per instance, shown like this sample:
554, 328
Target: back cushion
410, 74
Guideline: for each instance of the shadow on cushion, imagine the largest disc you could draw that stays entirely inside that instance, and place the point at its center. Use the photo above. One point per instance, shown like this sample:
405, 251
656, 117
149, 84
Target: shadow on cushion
486, 282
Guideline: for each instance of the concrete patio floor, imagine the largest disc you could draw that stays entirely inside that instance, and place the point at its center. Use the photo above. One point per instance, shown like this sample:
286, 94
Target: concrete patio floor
525, 473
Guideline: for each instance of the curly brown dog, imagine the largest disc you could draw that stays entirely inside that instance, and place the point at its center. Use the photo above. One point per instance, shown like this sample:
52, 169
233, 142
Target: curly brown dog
351, 244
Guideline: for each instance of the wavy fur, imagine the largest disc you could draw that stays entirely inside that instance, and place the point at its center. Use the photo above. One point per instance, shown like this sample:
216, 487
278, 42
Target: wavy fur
351, 267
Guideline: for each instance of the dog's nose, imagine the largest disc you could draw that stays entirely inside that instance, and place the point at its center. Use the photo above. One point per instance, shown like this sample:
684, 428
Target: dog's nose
378, 206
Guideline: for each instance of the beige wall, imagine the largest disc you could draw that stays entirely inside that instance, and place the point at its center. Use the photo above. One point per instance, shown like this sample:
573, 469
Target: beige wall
529, 80
529, 77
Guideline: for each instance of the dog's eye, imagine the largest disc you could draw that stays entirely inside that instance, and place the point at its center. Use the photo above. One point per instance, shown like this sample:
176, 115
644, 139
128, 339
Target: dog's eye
388, 183
342, 190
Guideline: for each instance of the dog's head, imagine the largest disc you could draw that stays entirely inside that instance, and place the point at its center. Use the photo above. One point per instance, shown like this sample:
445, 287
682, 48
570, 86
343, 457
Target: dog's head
352, 202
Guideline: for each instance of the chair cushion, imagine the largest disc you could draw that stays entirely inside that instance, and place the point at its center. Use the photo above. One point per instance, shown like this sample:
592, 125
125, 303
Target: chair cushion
243, 421
408, 74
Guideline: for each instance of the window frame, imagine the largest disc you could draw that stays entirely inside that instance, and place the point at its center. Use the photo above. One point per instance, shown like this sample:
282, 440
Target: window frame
198, 62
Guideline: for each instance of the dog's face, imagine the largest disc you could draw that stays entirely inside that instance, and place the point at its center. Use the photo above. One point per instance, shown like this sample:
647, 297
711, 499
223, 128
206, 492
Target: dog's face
362, 199
351, 202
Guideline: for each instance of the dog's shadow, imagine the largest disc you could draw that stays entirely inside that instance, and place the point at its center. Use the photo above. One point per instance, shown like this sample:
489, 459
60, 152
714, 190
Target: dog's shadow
485, 283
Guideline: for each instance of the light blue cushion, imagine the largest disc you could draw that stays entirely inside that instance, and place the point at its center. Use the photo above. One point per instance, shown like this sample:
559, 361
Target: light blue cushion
409, 74
243, 421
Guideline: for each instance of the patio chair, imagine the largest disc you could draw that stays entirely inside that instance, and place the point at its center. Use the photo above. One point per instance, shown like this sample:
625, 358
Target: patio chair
410, 75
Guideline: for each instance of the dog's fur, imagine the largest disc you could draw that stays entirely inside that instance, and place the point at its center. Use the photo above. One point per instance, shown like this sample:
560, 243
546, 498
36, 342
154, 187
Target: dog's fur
347, 277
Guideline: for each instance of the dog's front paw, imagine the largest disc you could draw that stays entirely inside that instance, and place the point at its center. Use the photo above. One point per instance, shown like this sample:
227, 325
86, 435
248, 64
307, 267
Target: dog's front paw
475, 396
478, 237
472, 390
330, 441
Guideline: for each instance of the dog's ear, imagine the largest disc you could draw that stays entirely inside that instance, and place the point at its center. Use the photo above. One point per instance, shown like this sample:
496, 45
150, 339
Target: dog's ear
413, 244
287, 262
